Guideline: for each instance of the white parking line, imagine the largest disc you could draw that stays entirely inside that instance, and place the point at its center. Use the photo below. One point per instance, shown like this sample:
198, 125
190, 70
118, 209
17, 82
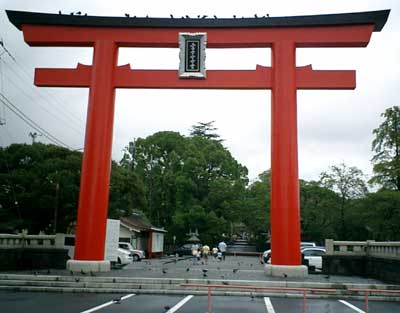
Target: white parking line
268, 305
106, 304
352, 306
179, 304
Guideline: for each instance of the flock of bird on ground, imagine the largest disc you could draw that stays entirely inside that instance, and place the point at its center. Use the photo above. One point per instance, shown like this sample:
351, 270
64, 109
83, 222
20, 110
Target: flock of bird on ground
77, 275
204, 271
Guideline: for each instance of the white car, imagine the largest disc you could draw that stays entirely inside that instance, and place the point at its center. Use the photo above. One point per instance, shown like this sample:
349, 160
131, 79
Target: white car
314, 256
307, 244
266, 257
137, 255
124, 257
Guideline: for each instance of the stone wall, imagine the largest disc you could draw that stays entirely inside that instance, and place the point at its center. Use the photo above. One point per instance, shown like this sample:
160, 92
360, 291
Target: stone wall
30, 259
387, 270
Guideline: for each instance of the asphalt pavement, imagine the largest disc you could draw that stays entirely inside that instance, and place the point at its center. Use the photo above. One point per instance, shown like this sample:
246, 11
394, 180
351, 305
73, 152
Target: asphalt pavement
22, 302
235, 270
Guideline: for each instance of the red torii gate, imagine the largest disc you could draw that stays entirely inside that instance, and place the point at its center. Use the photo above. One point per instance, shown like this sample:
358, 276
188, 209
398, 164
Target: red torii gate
282, 34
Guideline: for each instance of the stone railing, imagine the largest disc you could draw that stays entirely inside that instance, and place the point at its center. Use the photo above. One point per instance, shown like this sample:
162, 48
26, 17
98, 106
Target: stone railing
32, 241
383, 249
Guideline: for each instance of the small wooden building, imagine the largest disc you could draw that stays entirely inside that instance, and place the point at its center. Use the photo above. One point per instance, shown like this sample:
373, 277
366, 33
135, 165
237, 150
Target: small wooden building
142, 235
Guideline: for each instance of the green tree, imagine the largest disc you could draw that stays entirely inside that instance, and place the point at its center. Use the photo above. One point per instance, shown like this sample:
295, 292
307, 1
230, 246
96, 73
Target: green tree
39, 188
158, 162
126, 193
41, 184
319, 206
256, 212
205, 130
184, 174
209, 225
386, 146
349, 183
220, 179
380, 215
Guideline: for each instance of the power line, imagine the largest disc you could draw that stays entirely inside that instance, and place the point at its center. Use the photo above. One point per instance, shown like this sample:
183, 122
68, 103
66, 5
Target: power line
30, 78
5, 50
76, 125
57, 105
30, 122
3, 109
33, 100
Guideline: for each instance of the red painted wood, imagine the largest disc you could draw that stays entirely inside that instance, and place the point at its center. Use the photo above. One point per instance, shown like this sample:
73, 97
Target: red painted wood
306, 78
96, 163
64, 77
285, 208
332, 36
283, 78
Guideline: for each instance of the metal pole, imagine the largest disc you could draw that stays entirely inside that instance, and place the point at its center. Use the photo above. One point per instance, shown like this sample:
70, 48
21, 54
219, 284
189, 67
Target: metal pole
56, 208
366, 301
304, 301
209, 300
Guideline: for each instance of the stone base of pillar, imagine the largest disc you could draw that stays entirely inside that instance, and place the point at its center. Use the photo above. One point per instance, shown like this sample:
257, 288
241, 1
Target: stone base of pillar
298, 271
88, 266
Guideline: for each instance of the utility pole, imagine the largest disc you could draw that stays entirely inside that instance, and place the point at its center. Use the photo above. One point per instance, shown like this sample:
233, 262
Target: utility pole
33, 136
56, 208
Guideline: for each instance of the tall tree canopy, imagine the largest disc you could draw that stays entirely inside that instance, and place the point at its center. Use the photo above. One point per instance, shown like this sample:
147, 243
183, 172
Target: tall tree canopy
349, 183
188, 183
258, 204
40, 184
318, 207
256, 214
386, 146
205, 130
380, 214
187, 177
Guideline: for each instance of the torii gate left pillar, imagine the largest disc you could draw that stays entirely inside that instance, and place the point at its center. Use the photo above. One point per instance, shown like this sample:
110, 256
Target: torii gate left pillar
283, 78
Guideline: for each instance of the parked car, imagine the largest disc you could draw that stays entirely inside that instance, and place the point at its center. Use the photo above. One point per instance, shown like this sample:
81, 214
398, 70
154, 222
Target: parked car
137, 255
266, 257
124, 257
185, 249
314, 256
306, 244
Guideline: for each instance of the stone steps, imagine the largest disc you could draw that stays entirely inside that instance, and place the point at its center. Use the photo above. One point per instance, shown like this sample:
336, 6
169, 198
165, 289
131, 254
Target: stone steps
84, 284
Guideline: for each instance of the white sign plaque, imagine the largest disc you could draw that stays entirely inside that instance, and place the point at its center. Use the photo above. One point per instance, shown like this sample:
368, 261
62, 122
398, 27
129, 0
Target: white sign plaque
192, 55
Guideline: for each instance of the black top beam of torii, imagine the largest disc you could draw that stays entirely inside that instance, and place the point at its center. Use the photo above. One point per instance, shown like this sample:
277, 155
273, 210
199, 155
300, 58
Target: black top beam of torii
378, 18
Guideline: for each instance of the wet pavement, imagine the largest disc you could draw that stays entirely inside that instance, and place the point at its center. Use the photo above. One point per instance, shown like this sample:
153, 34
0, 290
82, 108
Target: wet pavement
233, 268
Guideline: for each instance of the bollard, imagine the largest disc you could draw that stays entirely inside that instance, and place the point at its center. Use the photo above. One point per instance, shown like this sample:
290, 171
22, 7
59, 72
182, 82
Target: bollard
304, 301
209, 300
366, 301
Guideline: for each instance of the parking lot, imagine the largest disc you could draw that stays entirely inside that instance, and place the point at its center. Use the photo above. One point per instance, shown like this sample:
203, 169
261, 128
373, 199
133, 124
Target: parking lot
235, 270
22, 302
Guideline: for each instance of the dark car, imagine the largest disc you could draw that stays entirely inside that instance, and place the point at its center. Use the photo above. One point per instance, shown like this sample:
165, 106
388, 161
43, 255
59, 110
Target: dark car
185, 249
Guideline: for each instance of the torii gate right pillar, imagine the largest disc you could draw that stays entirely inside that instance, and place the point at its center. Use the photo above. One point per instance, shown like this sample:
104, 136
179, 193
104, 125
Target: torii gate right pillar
285, 204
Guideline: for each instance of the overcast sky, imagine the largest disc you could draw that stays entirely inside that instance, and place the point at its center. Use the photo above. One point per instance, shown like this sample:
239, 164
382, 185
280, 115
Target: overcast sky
333, 126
